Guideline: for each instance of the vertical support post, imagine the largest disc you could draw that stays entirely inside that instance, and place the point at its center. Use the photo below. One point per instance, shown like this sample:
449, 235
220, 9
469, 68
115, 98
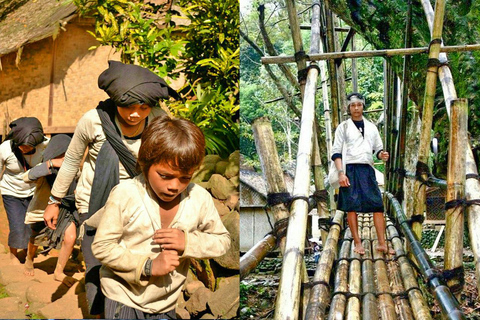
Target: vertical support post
456, 189
427, 116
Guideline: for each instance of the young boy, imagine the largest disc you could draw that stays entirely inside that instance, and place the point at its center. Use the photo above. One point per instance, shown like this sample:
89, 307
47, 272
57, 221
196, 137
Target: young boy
153, 223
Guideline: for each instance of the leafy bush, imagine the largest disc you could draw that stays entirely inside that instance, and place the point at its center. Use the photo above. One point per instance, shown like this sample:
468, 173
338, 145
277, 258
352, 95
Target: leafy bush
207, 52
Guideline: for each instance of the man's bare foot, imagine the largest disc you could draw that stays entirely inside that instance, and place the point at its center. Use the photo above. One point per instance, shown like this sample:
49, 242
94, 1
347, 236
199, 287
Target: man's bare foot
29, 269
359, 249
383, 248
14, 260
63, 278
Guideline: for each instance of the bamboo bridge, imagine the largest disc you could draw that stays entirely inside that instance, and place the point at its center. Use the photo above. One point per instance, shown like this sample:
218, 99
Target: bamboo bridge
374, 285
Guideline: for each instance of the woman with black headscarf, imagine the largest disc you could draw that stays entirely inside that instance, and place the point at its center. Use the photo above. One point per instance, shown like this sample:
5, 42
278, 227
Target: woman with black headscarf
22, 149
65, 234
111, 132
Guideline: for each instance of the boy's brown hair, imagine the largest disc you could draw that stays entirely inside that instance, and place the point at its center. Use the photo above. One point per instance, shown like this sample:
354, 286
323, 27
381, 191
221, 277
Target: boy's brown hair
176, 142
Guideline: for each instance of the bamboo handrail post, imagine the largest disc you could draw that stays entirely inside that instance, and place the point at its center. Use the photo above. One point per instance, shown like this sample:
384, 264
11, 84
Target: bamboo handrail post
456, 189
270, 162
472, 186
288, 297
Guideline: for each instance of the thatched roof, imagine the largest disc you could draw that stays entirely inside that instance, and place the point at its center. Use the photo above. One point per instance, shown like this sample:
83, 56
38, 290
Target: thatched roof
256, 181
23, 22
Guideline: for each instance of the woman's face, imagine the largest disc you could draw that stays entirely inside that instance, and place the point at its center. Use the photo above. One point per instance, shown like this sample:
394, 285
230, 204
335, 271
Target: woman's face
133, 114
26, 149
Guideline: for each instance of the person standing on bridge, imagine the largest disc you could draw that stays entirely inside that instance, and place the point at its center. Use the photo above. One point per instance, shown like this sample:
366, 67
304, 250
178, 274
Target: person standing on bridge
360, 140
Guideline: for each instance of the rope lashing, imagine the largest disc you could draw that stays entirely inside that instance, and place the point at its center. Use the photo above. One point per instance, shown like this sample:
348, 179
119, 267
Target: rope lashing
457, 273
274, 199
461, 203
320, 195
415, 218
311, 284
324, 224
472, 176
421, 170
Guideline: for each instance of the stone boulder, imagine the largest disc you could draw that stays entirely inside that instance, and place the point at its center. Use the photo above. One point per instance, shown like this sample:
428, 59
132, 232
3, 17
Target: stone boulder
231, 259
198, 301
220, 187
225, 301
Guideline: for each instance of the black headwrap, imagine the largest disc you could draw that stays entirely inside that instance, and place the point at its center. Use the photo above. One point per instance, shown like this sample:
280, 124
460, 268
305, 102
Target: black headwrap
128, 84
25, 131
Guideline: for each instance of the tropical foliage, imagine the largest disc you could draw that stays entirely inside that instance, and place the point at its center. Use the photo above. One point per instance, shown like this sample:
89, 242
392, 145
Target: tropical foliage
205, 50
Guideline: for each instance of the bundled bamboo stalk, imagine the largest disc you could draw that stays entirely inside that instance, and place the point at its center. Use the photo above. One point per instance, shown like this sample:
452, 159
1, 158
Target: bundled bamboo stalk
320, 293
419, 306
427, 117
339, 301
456, 188
369, 303
472, 186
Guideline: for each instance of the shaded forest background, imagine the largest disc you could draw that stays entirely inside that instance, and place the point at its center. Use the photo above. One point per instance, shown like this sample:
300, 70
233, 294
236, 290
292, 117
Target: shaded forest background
378, 25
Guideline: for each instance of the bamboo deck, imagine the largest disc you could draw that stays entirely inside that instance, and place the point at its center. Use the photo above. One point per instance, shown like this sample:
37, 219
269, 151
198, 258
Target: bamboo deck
374, 285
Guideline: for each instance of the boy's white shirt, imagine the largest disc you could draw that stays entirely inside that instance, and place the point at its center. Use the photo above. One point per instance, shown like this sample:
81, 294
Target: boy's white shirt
89, 134
359, 149
123, 242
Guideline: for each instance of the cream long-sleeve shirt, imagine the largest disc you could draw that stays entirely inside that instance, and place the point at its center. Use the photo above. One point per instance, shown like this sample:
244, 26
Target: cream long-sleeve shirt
123, 242
89, 134
358, 148
12, 183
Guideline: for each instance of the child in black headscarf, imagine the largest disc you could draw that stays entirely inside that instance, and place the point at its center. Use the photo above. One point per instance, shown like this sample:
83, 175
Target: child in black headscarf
22, 149
44, 174
111, 132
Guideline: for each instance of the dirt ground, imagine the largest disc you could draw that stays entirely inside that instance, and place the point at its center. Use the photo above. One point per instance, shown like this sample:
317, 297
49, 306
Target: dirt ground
259, 289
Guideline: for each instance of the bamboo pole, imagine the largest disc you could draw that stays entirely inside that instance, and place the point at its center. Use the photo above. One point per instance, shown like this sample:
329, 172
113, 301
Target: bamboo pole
402, 305
456, 188
472, 186
332, 70
427, 116
400, 163
419, 306
448, 304
369, 303
256, 254
288, 298
339, 301
354, 284
386, 306
320, 293
267, 151
270, 162
297, 39
369, 53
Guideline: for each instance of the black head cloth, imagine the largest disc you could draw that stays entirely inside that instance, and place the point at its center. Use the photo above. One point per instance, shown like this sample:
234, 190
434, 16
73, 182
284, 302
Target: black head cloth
128, 84
57, 146
26, 131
